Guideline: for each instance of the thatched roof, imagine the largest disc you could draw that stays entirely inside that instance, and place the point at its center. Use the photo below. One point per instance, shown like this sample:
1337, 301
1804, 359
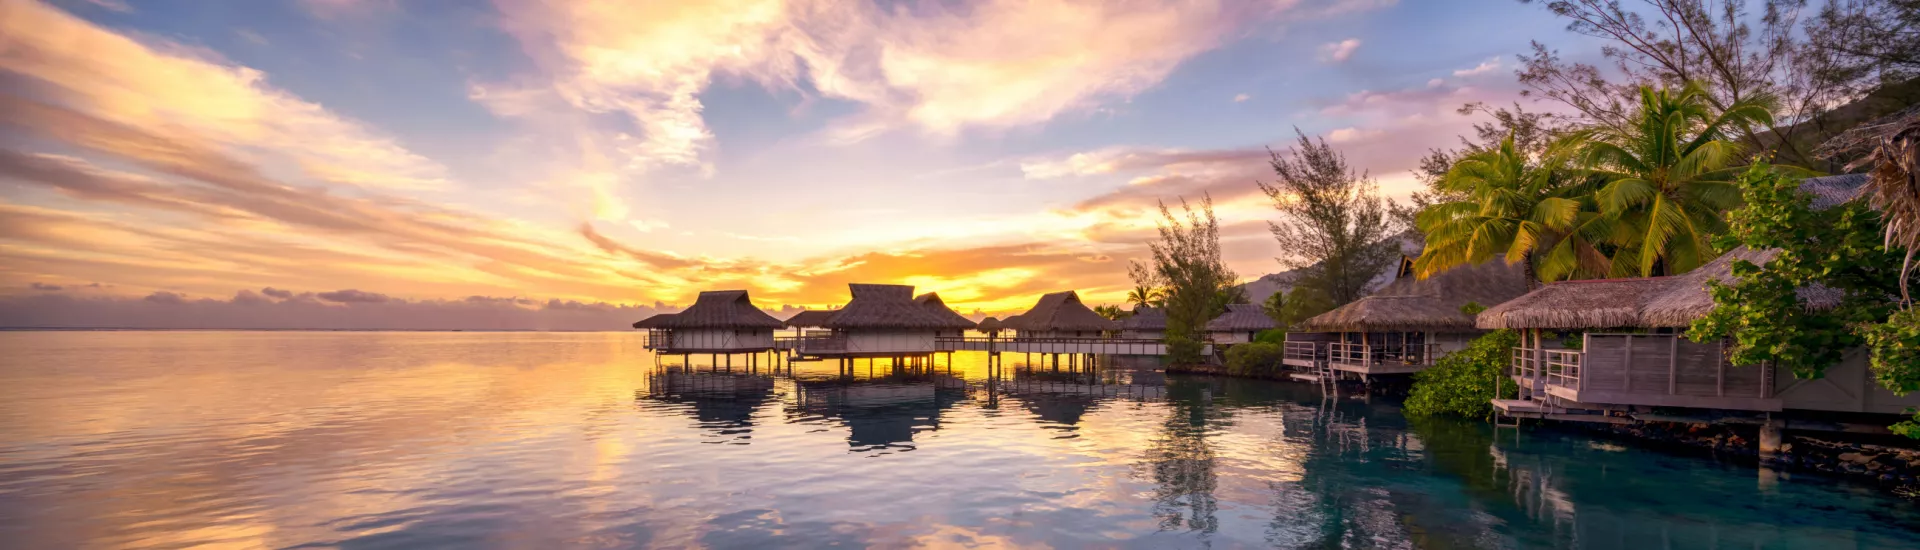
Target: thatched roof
1593, 303
715, 309
1657, 301
884, 307
1061, 311
989, 325
1145, 318
810, 318
1241, 318
1411, 304
932, 303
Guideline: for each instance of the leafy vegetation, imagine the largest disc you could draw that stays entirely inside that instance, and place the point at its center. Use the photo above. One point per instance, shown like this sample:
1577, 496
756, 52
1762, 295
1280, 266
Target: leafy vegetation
1507, 201
1253, 359
1112, 312
1461, 383
1195, 283
1841, 249
1271, 336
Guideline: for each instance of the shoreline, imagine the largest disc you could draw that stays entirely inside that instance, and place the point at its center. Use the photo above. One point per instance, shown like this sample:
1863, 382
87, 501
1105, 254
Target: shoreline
1891, 468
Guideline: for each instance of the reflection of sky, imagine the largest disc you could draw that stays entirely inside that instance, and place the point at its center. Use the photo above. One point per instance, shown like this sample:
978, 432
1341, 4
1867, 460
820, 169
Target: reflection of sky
632, 152
543, 440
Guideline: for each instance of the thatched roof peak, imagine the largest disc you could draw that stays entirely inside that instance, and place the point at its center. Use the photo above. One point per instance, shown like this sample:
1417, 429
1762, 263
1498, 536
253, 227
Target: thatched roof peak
810, 318
932, 303
1432, 304
1061, 311
877, 306
1242, 318
1145, 318
719, 309
989, 325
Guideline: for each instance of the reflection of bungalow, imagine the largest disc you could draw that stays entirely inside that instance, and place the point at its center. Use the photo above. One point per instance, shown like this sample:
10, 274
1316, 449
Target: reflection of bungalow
1405, 325
882, 412
720, 321
880, 321
723, 401
957, 325
1061, 315
1146, 323
1239, 324
1630, 351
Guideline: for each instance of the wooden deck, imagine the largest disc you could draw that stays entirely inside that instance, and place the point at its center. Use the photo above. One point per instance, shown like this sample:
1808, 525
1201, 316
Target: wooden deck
1380, 360
1643, 369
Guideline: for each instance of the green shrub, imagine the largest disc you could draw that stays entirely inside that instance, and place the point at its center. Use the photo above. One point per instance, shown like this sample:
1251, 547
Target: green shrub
1252, 358
1182, 350
1461, 383
1271, 336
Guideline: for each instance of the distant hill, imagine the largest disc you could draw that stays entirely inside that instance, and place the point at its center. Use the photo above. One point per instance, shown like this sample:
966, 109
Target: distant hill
1259, 289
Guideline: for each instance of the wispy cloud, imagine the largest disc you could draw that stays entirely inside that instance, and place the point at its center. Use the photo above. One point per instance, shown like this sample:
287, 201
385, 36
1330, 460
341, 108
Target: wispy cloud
1339, 52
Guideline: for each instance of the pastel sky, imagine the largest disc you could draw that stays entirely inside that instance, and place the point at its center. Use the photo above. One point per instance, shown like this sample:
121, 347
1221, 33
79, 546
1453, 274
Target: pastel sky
635, 152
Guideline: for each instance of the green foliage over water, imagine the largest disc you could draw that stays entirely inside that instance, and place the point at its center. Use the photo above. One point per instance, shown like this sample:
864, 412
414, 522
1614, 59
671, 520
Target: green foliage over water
1461, 383
1271, 336
1253, 359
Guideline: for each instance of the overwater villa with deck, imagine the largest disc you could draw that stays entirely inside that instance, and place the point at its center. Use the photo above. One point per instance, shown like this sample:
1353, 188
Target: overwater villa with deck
1062, 315
880, 321
1624, 351
720, 322
1407, 324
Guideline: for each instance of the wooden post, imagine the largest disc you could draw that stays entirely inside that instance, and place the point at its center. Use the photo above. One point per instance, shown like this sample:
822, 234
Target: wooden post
1673, 366
1629, 369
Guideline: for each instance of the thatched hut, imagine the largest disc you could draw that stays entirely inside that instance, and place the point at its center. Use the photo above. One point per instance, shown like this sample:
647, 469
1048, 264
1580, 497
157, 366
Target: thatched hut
721, 321
957, 325
1616, 343
1239, 324
1146, 323
1061, 315
989, 326
880, 321
1408, 323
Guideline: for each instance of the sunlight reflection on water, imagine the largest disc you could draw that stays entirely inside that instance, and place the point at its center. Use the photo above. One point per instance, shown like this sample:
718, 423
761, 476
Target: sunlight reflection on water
409, 440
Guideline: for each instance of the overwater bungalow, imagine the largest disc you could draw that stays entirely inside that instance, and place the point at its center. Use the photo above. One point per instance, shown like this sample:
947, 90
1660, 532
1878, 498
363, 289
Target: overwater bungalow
1146, 323
719, 322
957, 325
1061, 315
880, 321
1407, 324
1617, 345
989, 326
1239, 324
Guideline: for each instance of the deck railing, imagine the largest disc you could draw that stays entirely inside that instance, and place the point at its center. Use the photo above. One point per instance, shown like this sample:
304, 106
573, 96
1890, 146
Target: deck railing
830, 343
1370, 355
1563, 368
1064, 344
1304, 351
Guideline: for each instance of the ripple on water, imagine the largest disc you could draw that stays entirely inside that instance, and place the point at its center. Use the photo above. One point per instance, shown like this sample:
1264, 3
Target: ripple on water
472, 440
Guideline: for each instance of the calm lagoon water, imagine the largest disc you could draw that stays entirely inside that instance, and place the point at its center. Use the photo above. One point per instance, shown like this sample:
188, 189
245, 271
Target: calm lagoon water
529, 440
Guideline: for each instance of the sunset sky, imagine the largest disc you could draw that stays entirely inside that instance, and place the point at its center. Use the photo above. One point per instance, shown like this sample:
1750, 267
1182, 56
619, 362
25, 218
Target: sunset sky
632, 153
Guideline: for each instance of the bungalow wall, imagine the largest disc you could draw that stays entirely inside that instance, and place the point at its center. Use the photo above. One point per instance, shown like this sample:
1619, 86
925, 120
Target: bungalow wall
1237, 337
1143, 334
721, 339
890, 341
1845, 387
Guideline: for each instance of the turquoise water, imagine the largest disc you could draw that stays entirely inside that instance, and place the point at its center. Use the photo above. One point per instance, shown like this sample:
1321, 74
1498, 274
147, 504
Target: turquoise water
530, 440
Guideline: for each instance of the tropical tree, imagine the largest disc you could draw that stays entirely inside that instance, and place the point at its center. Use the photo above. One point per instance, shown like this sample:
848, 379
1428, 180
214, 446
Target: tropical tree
1145, 296
1531, 208
1668, 176
1334, 226
1111, 312
1186, 262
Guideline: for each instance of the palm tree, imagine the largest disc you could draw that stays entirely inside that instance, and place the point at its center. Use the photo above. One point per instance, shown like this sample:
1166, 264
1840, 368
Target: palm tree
1891, 147
1145, 296
1531, 209
1111, 312
1668, 176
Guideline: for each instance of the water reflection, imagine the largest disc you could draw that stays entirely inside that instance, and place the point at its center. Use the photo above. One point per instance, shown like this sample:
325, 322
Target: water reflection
470, 441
